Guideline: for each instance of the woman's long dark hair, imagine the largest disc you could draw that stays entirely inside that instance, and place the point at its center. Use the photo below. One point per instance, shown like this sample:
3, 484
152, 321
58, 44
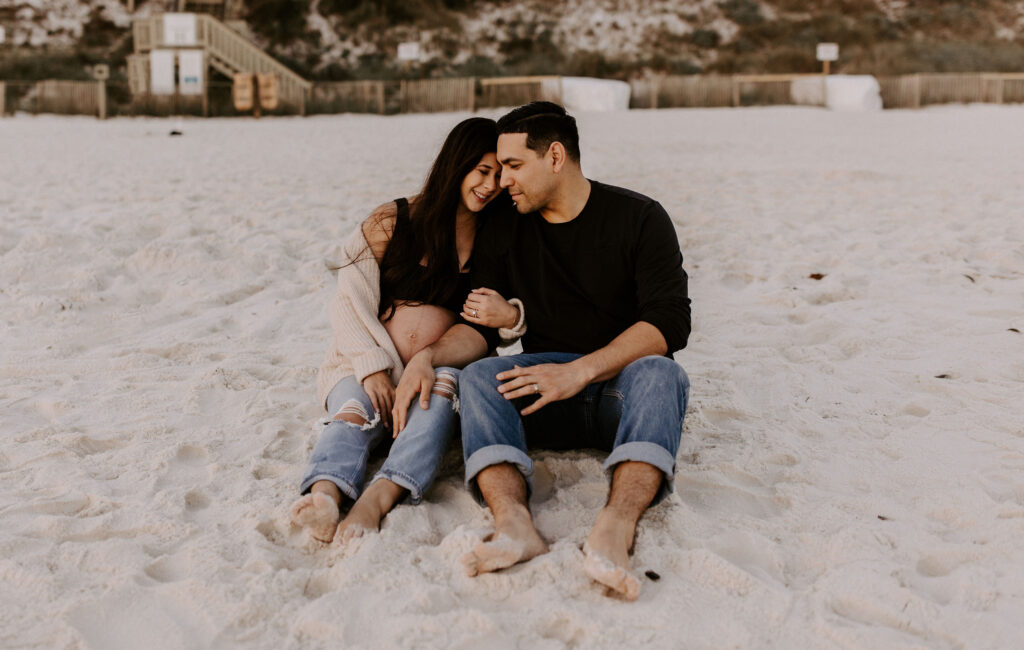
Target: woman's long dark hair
430, 233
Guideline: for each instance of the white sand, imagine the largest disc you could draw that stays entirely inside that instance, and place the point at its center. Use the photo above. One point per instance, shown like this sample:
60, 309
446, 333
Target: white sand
162, 313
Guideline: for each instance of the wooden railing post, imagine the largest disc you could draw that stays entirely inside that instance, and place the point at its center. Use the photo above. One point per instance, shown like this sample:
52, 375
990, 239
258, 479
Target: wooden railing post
101, 99
735, 91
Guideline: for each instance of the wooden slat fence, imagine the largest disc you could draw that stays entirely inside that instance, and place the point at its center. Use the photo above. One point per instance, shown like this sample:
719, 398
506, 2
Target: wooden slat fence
67, 97
347, 97
515, 91
437, 95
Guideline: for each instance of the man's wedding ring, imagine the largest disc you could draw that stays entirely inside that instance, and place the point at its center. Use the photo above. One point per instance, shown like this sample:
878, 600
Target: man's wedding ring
536, 388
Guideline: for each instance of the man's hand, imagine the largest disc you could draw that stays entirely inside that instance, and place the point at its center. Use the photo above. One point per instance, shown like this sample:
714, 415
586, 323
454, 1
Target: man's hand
551, 381
418, 378
381, 391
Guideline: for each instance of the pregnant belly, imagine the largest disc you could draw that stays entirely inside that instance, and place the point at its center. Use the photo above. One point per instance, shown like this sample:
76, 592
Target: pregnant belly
414, 327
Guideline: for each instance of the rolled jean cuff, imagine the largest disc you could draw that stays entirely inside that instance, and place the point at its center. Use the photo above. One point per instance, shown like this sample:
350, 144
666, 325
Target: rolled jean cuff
346, 488
646, 452
402, 480
495, 455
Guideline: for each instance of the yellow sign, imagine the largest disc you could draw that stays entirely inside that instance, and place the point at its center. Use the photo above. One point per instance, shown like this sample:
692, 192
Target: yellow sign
241, 92
268, 91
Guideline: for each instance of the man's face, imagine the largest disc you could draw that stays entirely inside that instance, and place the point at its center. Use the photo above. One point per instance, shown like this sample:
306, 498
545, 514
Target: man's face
529, 177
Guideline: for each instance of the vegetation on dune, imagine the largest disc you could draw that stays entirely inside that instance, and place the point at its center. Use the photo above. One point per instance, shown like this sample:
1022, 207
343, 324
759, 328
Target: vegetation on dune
527, 38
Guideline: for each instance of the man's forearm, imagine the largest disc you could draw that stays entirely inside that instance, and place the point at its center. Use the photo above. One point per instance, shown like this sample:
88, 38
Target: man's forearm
640, 340
458, 347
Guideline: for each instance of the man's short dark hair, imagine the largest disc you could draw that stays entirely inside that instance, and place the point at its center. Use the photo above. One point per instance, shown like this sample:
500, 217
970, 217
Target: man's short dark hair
543, 123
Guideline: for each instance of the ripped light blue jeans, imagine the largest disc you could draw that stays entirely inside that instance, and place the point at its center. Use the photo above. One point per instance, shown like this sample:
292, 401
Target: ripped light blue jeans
341, 453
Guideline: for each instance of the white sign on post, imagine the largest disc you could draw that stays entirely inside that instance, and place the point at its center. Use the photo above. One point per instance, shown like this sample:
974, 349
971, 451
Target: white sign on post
828, 51
409, 51
179, 29
3, 33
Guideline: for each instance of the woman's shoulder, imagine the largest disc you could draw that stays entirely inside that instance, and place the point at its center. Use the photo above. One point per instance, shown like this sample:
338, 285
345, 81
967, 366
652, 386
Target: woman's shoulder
379, 227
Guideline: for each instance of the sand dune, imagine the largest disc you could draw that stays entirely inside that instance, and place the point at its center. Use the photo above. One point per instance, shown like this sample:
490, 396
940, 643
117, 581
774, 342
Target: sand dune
852, 471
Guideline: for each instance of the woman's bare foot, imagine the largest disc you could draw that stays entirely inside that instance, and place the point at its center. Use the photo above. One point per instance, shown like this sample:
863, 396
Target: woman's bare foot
606, 553
317, 512
368, 511
514, 540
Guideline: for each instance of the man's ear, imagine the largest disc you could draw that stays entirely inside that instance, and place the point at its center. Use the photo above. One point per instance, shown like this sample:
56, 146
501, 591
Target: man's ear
557, 151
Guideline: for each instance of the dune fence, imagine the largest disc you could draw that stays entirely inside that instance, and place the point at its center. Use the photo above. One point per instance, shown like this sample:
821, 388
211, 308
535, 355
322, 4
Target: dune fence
469, 94
917, 90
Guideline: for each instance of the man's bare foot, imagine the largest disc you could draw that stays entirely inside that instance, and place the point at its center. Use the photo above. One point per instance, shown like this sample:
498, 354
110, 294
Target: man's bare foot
606, 554
514, 540
317, 512
368, 511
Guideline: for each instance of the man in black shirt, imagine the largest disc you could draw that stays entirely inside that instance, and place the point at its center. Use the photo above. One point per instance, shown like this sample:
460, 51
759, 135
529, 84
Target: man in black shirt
599, 272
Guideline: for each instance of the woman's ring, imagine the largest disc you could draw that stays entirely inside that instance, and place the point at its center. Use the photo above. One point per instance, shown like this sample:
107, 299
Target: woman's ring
475, 312
536, 388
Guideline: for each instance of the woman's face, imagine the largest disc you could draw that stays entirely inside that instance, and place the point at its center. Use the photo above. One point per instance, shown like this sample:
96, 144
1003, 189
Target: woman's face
481, 185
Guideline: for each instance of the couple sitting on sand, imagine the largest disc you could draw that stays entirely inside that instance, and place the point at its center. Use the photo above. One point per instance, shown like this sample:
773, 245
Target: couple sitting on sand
597, 273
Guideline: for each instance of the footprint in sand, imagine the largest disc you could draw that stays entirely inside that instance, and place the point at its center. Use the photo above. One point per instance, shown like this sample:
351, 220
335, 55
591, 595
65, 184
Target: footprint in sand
730, 489
187, 468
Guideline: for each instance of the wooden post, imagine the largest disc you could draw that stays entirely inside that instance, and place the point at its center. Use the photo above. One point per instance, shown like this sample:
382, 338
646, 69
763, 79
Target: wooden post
256, 96
826, 66
3, 99
472, 94
999, 91
735, 91
206, 93
917, 91
655, 87
302, 102
101, 99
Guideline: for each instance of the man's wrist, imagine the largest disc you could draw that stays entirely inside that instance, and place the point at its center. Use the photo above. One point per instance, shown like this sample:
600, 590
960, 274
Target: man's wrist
584, 368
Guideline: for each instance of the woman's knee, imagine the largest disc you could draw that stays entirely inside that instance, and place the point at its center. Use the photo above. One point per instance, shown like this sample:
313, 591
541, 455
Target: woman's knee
446, 382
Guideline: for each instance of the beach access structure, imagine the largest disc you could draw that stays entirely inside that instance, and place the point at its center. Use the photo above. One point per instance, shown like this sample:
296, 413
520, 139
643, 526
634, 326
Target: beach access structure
223, 48
469, 94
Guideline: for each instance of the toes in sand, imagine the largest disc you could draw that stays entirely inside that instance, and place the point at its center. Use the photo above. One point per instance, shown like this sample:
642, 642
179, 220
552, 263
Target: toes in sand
499, 552
617, 578
317, 513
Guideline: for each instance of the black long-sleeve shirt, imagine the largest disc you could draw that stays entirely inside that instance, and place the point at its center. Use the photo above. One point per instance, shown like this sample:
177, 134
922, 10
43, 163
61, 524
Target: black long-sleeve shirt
586, 281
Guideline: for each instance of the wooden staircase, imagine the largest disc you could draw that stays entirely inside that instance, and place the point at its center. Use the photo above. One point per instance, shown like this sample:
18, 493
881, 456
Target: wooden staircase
227, 51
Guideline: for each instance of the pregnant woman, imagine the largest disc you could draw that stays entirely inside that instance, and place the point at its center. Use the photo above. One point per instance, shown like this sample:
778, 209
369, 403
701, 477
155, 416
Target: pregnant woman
401, 285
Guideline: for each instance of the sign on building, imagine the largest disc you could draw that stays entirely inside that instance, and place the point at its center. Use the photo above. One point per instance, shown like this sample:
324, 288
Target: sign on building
828, 51
161, 72
409, 51
179, 29
190, 72
101, 72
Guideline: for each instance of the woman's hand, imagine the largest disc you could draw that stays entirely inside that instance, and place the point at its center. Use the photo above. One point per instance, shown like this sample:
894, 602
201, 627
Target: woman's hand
486, 307
381, 391
417, 380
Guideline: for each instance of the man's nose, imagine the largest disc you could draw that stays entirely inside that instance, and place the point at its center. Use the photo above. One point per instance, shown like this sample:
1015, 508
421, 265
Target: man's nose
506, 181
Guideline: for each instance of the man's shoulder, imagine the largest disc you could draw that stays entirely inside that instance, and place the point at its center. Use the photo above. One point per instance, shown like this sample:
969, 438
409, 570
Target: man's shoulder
623, 199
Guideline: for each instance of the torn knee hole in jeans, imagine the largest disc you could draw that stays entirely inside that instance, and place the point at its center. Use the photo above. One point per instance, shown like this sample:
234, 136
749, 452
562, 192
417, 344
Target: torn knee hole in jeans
445, 386
352, 412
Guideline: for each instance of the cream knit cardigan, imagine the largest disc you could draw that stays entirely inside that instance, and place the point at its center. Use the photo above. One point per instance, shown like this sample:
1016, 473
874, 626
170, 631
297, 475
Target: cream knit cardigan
361, 346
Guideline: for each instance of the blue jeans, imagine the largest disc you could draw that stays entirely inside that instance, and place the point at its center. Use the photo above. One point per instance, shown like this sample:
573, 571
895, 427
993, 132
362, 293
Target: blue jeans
637, 416
341, 453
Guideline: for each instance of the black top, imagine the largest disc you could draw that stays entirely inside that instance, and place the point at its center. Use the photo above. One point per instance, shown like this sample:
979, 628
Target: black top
409, 289
586, 281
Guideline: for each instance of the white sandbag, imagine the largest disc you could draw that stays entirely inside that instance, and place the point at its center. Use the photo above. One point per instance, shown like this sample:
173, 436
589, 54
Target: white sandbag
808, 91
852, 93
587, 94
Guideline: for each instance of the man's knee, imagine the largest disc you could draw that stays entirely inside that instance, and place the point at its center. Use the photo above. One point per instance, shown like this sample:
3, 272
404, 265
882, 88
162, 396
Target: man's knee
483, 373
656, 372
